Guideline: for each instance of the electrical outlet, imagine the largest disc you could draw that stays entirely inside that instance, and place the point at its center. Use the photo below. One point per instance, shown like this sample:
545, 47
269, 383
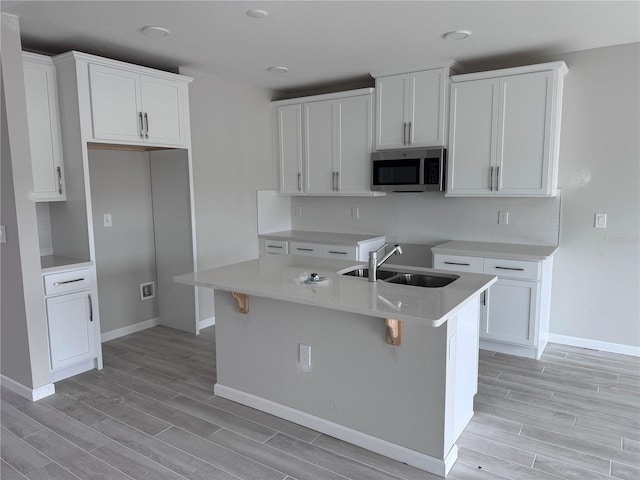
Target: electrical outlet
107, 220
601, 220
503, 218
3, 234
355, 212
304, 357
298, 211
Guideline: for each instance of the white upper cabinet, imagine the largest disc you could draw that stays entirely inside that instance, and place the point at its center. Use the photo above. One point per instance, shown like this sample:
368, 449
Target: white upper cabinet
289, 140
411, 108
44, 127
324, 144
127, 106
505, 132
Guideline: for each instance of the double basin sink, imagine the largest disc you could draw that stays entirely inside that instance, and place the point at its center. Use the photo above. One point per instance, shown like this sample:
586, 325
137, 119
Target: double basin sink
402, 278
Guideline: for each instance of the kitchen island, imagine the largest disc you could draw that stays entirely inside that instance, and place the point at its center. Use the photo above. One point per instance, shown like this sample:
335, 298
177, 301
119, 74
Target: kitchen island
391, 368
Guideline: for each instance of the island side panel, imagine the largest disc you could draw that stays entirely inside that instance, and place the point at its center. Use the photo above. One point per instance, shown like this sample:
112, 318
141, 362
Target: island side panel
358, 380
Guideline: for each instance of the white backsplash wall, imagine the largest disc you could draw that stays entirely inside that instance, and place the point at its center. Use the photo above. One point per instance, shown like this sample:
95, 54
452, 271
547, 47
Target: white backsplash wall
274, 211
431, 218
44, 229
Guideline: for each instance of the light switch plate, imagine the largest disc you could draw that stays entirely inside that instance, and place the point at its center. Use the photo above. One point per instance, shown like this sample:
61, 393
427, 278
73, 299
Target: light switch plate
3, 234
601, 220
107, 220
298, 211
503, 218
355, 212
304, 357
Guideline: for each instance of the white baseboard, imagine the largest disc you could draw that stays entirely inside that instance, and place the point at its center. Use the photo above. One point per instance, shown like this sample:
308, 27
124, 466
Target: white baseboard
595, 344
33, 394
207, 322
73, 370
411, 457
129, 329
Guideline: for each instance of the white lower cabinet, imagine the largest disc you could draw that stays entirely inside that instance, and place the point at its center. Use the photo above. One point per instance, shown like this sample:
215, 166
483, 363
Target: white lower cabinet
70, 330
515, 310
356, 251
510, 308
73, 323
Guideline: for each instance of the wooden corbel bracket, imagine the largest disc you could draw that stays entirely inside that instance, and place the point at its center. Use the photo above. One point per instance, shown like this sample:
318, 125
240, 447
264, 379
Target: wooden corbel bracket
243, 301
394, 331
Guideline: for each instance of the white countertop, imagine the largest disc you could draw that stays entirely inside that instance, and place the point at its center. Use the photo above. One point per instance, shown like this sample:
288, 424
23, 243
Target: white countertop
276, 277
323, 237
58, 263
500, 250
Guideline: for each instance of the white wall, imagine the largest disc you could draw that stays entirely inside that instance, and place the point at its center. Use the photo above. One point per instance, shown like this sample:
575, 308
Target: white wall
596, 281
125, 252
232, 159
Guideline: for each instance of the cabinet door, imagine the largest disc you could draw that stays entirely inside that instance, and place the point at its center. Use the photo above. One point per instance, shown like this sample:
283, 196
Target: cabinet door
510, 315
473, 137
427, 93
319, 150
163, 111
289, 131
115, 104
392, 101
71, 337
353, 144
524, 132
44, 131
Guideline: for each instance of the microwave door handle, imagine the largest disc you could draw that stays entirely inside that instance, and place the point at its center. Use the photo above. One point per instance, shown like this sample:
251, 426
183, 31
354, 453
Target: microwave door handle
442, 175
421, 179
404, 133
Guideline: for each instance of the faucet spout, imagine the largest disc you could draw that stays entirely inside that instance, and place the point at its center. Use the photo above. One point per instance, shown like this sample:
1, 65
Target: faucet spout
374, 263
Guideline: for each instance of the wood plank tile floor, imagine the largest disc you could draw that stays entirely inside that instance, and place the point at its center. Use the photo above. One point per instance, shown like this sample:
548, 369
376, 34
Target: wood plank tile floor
150, 414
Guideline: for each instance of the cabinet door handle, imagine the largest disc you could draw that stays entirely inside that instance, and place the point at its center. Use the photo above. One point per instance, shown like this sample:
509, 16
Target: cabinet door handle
141, 124
304, 249
409, 136
337, 181
90, 308
491, 179
510, 268
497, 178
299, 181
146, 125
59, 180
337, 253
456, 263
55, 284
404, 133
484, 297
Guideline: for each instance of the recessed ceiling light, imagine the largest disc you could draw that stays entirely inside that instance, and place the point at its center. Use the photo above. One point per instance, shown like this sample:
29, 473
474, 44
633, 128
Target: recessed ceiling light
278, 69
457, 35
152, 31
255, 13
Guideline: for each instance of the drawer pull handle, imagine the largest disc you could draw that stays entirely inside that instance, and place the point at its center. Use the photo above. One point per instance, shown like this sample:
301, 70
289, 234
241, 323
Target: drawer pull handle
68, 281
274, 246
338, 253
305, 249
510, 268
90, 308
456, 263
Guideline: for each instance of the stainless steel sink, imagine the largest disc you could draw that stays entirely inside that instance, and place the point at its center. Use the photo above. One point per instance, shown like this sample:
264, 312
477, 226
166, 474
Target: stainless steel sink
402, 278
420, 280
364, 273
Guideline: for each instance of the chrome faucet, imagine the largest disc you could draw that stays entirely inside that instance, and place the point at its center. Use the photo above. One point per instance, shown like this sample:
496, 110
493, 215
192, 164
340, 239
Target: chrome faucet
374, 263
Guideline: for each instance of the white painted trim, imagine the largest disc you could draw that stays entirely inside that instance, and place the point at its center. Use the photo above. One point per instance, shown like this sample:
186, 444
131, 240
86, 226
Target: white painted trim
207, 322
66, 372
411, 457
595, 344
33, 394
129, 329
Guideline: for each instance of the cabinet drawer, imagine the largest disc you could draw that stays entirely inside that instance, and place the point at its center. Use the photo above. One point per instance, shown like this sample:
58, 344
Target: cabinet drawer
74, 280
511, 268
276, 247
343, 252
458, 263
310, 249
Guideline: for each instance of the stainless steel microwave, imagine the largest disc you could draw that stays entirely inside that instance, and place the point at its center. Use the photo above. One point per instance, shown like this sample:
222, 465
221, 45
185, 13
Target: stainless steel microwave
409, 170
